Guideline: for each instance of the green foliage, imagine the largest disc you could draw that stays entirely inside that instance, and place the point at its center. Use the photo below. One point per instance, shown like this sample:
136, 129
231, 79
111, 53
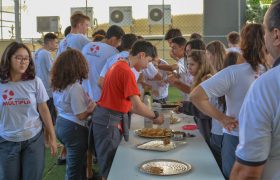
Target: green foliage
255, 10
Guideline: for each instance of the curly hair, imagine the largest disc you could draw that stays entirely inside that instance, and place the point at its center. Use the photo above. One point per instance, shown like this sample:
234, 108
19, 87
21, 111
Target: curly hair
253, 46
69, 67
5, 64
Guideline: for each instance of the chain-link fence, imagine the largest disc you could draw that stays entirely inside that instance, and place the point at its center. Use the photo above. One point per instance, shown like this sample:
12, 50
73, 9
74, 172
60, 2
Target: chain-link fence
148, 18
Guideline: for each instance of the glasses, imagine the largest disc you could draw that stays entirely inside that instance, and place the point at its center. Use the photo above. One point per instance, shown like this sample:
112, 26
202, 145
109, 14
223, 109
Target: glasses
22, 59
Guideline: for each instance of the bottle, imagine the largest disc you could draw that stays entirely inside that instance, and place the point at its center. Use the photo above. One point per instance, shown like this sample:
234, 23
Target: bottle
148, 102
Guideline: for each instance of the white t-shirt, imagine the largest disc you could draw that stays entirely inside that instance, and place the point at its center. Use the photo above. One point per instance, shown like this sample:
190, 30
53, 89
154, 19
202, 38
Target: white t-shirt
43, 64
19, 118
259, 124
71, 101
136, 73
234, 49
96, 54
216, 128
111, 60
150, 72
185, 77
75, 41
233, 82
160, 86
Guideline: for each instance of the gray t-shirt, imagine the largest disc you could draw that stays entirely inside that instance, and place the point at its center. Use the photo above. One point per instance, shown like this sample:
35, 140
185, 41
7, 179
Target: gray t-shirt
259, 125
70, 102
19, 117
74, 41
43, 64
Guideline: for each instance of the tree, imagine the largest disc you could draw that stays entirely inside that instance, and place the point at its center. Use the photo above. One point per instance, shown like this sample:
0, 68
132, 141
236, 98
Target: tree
255, 10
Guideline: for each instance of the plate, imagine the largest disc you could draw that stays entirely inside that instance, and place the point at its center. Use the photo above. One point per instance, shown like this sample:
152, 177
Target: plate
164, 167
157, 145
141, 133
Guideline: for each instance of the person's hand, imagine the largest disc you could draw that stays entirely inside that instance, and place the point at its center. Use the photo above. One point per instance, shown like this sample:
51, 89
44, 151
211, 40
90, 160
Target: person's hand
91, 106
229, 123
53, 146
174, 67
155, 92
172, 79
159, 119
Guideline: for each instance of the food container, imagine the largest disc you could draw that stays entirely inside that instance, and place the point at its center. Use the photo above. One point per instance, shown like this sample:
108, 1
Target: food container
178, 135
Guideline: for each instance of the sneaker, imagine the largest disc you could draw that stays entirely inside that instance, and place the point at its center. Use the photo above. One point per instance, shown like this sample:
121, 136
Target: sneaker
61, 161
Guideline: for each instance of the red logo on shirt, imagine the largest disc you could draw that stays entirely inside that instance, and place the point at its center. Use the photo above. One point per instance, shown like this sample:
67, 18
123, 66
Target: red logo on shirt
94, 49
8, 97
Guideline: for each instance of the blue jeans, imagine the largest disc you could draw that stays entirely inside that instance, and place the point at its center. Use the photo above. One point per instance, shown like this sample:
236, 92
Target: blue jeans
229, 145
216, 147
22, 160
75, 139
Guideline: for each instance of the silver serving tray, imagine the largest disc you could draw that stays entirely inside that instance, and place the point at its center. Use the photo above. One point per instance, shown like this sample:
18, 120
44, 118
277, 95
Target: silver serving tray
138, 133
157, 145
169, 167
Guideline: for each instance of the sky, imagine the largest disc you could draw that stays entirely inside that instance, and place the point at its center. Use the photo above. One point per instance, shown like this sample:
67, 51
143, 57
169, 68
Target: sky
100, 7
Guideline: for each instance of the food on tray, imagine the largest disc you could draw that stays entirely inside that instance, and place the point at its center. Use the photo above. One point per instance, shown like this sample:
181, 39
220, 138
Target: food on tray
173, 119
155, 170
166, 141
154, 132
157, 145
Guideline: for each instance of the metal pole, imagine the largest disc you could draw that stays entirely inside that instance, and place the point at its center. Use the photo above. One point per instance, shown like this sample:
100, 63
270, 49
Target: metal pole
17, 21
163, 31
1, 16
239, 16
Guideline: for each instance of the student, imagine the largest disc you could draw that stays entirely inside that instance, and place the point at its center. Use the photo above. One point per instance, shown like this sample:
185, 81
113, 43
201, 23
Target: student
233, 58
233, 39
67, 31
159, 87
76, 39
23, 101
257, 155
215, 52
73, 106
233, 83
170, 34
126, 43
96, 54
119, 96
43, 65
98, 35
197, 44
195, 36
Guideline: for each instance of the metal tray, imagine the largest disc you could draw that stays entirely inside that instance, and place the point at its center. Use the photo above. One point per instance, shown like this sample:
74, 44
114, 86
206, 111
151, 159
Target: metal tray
169, 167
157, 145
138, 133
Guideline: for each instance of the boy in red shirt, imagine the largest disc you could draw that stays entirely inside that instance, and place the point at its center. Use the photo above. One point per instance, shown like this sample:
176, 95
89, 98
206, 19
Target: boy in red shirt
120, 95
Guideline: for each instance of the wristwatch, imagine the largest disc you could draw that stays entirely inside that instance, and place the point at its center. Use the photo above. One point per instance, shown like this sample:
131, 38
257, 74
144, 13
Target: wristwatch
156, 114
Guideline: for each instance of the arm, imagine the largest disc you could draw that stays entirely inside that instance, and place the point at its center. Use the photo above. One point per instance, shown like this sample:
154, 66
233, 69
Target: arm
199, 98
142, 110
84, 115
244, 172
166, 67
46, 117
172, 80
101, 82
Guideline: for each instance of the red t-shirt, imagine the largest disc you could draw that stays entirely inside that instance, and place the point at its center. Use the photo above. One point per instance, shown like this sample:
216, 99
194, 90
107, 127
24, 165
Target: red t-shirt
119, 85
